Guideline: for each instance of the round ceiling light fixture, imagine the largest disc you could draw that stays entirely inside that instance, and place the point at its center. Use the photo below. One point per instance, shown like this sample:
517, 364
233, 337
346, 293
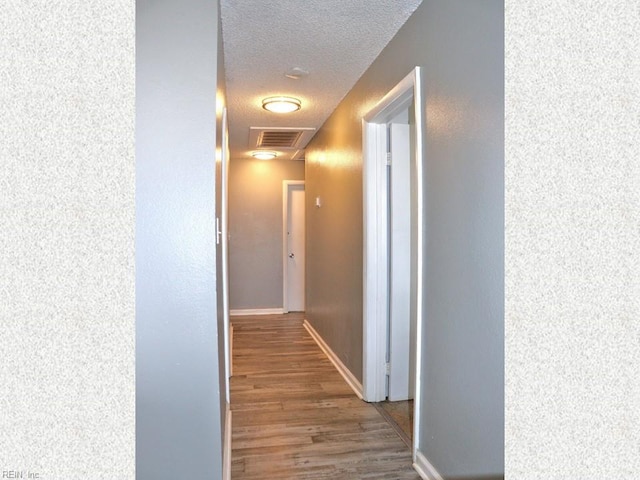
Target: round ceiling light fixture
264, 155
281, 104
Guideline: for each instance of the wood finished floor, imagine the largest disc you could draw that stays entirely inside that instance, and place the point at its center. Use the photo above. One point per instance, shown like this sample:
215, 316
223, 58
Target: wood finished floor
294, 417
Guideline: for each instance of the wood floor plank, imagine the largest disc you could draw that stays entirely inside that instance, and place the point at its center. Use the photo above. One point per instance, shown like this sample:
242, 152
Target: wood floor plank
294, 417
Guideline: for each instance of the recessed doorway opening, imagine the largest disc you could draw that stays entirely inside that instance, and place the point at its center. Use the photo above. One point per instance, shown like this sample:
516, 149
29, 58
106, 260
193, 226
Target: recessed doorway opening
293, 241
393, 133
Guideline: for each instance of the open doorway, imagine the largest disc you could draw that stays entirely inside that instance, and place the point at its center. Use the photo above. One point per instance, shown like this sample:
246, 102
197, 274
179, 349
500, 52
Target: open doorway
397, 407
293, 242
393, 246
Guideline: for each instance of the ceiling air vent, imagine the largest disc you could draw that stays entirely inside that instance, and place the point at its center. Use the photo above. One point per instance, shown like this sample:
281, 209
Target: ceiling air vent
280, 138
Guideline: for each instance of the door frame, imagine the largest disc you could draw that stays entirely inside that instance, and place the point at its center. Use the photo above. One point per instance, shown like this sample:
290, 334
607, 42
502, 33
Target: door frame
410, 91
286, 185
224, 234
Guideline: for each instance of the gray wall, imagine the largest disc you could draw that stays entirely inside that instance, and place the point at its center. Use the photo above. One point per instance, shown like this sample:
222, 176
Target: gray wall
178, 421
460, 45
255, 225
464, 289
333, 172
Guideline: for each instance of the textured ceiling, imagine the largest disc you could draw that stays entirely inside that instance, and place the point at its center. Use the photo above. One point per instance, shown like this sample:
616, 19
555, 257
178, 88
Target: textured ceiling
334, 40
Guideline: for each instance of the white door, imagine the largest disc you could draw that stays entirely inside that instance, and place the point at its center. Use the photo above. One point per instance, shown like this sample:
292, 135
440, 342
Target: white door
400, 352
294, 254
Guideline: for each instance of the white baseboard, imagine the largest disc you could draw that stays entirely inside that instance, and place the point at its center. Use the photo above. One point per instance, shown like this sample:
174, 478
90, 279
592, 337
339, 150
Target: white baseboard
256, 311
226, 455
424, 468
352, 381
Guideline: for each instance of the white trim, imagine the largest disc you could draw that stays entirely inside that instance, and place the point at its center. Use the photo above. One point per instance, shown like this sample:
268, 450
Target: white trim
351, 380
375, 277
399, 98
285, 220
226, 455
424, 468
256, 311
419, 102
224, 169
375, 253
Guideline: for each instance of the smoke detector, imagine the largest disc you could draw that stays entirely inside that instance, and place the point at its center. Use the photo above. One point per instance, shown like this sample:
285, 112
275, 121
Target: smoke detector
296, 73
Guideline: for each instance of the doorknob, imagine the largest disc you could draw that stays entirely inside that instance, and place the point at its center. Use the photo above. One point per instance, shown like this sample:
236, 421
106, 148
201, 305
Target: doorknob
291, 255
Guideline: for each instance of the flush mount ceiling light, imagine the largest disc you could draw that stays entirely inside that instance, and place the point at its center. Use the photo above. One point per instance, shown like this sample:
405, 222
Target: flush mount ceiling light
281, 104
264, 155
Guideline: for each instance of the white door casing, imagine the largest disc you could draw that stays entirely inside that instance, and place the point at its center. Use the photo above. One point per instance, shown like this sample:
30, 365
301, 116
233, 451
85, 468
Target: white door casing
409, 92
293, 239
225, 248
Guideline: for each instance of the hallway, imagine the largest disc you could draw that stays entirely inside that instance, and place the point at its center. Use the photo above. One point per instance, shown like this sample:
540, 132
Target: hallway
294, 417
